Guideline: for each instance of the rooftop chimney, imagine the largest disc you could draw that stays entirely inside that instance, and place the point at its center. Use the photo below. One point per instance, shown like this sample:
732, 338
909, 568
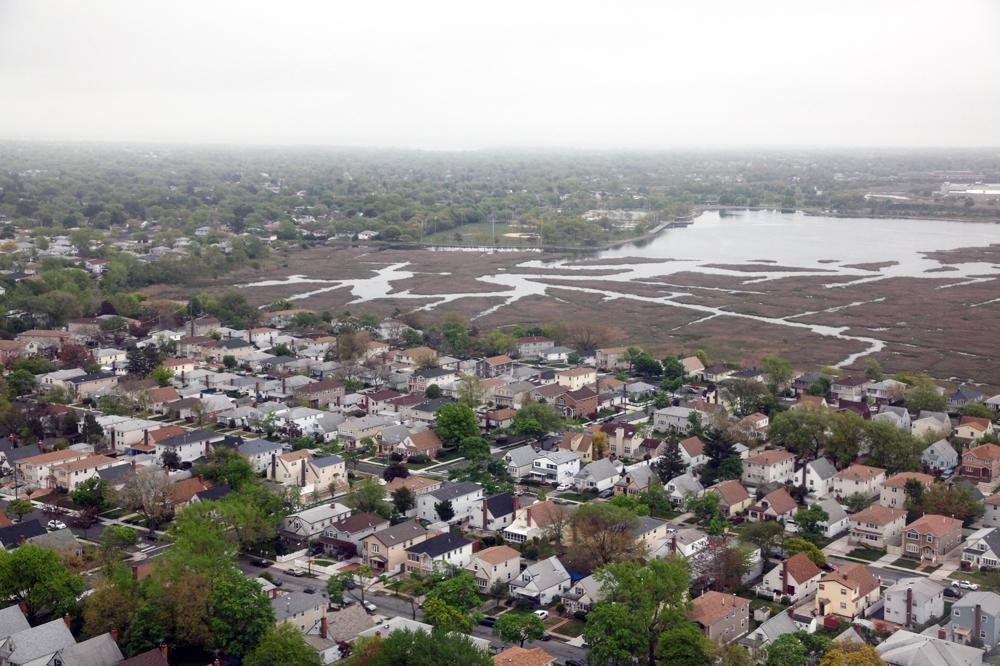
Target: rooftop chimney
114, 635
164, 650
68, 620
322, 627
909, 606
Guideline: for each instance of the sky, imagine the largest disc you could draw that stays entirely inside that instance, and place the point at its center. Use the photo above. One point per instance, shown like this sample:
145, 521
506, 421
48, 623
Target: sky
618, 74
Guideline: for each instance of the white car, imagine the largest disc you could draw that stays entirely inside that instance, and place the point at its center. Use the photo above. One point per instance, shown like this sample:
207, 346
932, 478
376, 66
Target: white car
56, 525
541, 614
965, 585
563, 486
369, 607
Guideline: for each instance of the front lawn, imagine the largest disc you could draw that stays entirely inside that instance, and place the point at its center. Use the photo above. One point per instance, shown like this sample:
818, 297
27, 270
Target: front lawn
573, 628
576, 497
906, 563
551, 621
984, 580
869, 554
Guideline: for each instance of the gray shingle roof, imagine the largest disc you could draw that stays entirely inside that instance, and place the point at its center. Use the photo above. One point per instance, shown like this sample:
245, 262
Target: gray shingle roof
990, 601
291, 603
12, 620
97, 651
37, 642
327, 461
253, 447
455, 490
439, 545
544, 574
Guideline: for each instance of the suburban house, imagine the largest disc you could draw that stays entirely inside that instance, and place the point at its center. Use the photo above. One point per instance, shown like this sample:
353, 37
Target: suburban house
982, 462
494, 366
95, 385
541, 582
772, 466
733, 497
308, 523
722, 617
795, 578
776, 505
877, 526
345, 535
466, 502
928, 422
939, 456
975, 620
931, 537
914, 601
190, 445
36, 469
992, 516
299, 609
858, 479
693, 367
536, 520
519, 461
384, 551
681, 487
962, 396
675, 418
635, 480
580, 443
495, 564
886, 390
439, 553
686, 541
837, 521
299, 469
583, 595
817, 477
258, 453
893, 493
555, 466
498, 511
982, 549
418, 485
905, 647
972, 428
533, 345
612, 358
423, 443
849, 388
847, 592
69, 475
897, 416
575, 379
598, 476
692, 452
754, 426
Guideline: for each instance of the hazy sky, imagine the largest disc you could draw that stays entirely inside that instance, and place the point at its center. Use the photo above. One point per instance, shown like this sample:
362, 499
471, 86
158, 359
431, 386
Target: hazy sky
463, 75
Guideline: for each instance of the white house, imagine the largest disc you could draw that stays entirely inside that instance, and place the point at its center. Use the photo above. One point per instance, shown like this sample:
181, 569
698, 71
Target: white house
795, 578
465, 497
837, 521
897, 416
992, 516
681, 487
310, 523
497, 563
771, 466
542, 581
913, 601
692, 452
519, 461
940, 455
672, 417
258, 453
598, 476
440, 552
189, 446
931, 422
687, 542
555, 466
893, 491
817, 477
982, 549
858, 479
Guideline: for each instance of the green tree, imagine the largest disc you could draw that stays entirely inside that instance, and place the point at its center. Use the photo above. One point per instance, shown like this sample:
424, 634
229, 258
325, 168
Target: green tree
873, 371
764, 534
91, 431
419, 648
36, 577
801, 431
162, 375
444, 510
796, 545
433, 392
335, 589
846, 435
787, 650
20, 382
239, 613
146, 630
458, 591
367, 496
446, 618
91, 494
602, 533
977, 409
455, 422
115, 539
809, 521
892, 448
19, 508
227, 466
857, 502
670, 464
536, 419
403, 500
282, 644
474, 448
779, 372
684, 644
518, 627
924, 395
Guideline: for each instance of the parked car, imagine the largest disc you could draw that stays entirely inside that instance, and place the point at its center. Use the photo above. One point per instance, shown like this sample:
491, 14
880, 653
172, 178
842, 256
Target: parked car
309, 590
260, 563
56, 525
369, 607
965, 585
293, 571
563, 487
541, 614
953, 594
605, 494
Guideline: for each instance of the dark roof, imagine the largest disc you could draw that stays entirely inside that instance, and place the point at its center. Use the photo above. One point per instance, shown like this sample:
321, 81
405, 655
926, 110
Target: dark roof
149, 658
431, 373
320, 387
10, 536
432, 405
439, 545
214, 493
115, 475
191, 437
18, 452
235, 343
326, 461
500, 505
455, 490
358, 522
82, 379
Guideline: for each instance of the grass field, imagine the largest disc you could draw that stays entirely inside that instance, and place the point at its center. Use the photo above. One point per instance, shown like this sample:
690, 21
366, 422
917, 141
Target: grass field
573, 628
869, 554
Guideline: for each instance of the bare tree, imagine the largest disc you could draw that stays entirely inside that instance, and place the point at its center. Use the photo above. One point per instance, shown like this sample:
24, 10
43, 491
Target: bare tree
148, 492
586, 336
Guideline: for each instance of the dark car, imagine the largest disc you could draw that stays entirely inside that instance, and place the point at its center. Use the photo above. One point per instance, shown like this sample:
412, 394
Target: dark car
574, 662
604, 494
260, 563
953, 593
309, 590
546, 636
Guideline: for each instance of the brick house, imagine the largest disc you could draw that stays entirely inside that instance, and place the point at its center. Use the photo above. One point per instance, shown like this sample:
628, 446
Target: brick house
930, 537
982, 462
